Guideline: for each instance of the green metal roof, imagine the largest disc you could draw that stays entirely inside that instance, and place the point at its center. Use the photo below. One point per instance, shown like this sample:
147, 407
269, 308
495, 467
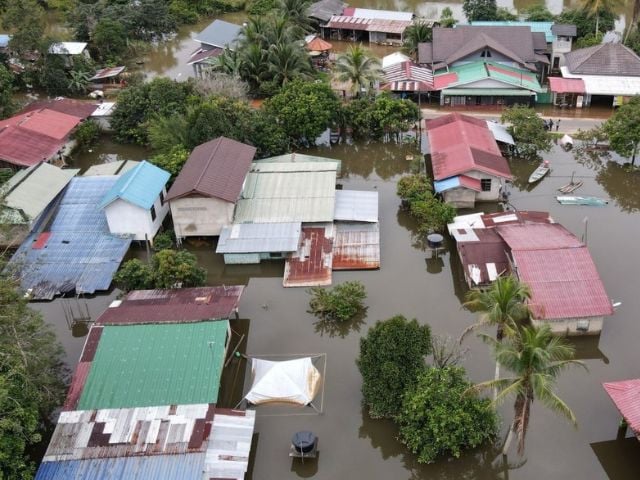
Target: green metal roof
147, 365
503, 92
481, 70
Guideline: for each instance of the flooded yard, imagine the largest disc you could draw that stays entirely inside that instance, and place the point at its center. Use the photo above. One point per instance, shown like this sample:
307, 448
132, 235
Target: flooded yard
412, 282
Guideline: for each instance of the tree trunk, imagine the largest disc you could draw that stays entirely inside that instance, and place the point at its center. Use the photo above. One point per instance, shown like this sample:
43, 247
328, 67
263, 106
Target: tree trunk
497, 376
597, 24
507, 442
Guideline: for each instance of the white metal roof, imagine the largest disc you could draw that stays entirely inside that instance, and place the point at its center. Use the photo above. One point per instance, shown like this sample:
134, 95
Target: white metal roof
67, 48
259, 237
500, 132
356, 206
382, 14
104, 109
393, 58
607, 84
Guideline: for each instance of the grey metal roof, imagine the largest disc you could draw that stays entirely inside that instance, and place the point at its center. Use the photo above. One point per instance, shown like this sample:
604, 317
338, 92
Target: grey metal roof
325, 9
111, 168
563, 29
219, 34
259, 237
76, 250
500, 133
604, 59
298, 190
356, 206
30, 191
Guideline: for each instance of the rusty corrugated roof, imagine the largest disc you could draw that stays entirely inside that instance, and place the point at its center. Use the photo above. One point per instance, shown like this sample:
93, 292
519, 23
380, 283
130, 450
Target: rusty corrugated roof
626, 396
173, 306
214, 169
356, 246
484, 258
311, 264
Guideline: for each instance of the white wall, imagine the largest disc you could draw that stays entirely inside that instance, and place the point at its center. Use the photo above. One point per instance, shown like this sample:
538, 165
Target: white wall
125, 218
569, 326
196, 216
496, 183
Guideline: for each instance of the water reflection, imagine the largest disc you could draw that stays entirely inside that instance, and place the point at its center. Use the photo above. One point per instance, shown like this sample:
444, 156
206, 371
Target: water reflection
621, 183
334, 328
619, 458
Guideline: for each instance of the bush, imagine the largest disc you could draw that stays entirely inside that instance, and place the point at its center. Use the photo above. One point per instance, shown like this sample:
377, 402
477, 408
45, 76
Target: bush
392, 354
439, 417
340, 303
87, 134
164, 240
414, 187
134, 275
261, 7
177, 269
527, 129
173, 161
416, 194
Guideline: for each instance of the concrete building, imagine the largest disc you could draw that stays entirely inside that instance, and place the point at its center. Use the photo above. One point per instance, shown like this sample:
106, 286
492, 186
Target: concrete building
204, 195
363, 24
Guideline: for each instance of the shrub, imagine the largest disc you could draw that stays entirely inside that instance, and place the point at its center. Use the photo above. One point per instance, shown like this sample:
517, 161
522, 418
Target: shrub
340, 303
87, 134
177, 269
134, 275
164, 240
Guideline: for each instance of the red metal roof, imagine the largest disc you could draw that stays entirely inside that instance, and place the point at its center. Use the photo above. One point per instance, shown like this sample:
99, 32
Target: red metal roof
214, 169
76, 108
41, 241
626, 396
478, 256
566, 85
47, 122
538, 236
442, 81
470, 182
21, 147
108, 72
319, 45
77, 385
564, 283
509, 218
311, 265
173, 306
202, 54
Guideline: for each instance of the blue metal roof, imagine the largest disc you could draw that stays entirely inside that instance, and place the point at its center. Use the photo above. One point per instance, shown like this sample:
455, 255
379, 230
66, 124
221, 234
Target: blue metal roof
166, 467
79, 251
4, 40
446, 184
140, 186
219, 34
540, 27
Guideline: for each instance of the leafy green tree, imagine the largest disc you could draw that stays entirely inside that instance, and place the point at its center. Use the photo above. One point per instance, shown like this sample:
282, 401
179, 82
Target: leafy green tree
164, 240
623, 129
171, 161
53, 75
165, 133
134, 274
32, 380
417, 195
538, 13
177, 268
87, 133
589, 40
24, 19
535, 358
340, 303
304, 110
7, 105
392, 116
392, 355
586, 23
438, 417
446, 18
528, 131
109, 40
414, 187
479, 9
261, 7
505, 14
596, 7
359, 67
416, 33
287, 62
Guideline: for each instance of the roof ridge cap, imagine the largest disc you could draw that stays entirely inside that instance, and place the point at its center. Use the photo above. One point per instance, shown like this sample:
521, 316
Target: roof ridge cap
208, 163
134, 172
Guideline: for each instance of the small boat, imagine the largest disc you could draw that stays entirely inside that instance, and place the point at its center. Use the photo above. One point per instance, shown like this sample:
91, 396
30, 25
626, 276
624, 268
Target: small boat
539, 172
575, 200
570, 187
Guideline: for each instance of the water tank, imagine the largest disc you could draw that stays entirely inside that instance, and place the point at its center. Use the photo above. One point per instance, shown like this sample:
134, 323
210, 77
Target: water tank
434, 240
303, 442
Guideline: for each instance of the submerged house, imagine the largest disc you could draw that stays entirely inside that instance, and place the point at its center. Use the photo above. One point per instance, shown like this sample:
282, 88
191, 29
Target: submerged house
363, 24
467, 163
625, 394
213, 40
135, 206
204, 195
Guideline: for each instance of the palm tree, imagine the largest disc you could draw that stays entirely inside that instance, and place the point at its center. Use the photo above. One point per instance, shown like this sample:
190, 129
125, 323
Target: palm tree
295, 12
419, 32
595, 7
503, 305
535, 357
229, 62
287, 61
358, 67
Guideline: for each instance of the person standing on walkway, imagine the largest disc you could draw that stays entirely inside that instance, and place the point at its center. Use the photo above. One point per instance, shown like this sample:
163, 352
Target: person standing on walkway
550, 125
557, 125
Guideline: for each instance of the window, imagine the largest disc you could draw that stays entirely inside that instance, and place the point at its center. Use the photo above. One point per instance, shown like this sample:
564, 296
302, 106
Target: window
582, 325
161, 198
153, 213
486, 53
485, 184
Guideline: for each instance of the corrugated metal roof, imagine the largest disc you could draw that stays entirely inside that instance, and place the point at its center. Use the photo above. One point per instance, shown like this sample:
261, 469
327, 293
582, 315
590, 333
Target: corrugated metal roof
108, 73
606, 84
147, 365
180, 305
483, 256
459, 145
470, 73
293, 191
214, 169
566, 85
367, 24
259, 237
80, 253
165, 467
538, 236
393, 59
564, 283
67, 48
562, 29
325, 9
521, 216
76, 108
32, 189
500, 133
356, 246
4, 40
356, 206
311, 264
219, 34
201, 54
139, 186
378, 14
409, 72
229, 444
458, 181
51, 123
626, 396
111, 168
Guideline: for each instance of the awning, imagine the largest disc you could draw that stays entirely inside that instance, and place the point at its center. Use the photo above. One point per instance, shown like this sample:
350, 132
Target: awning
495, 92
407, 86
566, 85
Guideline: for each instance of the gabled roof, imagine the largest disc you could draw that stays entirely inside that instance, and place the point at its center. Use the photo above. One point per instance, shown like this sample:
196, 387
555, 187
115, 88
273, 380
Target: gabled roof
368, 24
407, 71
536, 27
604, 59
626, 396
214, 169
219, 34
460, 144
452, 44
481, 70
19, 146
76, 108
139, 186
46, 121
563, 29
325, 9
108, 72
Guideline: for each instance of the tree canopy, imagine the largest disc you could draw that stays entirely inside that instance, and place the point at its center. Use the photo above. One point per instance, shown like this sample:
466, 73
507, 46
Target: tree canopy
359, 67
527, 129
24, 19
623, 129
340, 303
7, 105
586, 23
392, 354
479, 9
417, 195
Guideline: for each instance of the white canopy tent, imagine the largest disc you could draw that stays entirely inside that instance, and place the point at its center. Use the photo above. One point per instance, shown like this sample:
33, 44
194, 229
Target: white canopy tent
291, 381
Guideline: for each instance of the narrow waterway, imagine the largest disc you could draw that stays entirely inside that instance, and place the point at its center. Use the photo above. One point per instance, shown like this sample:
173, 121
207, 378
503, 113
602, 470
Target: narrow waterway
414, 283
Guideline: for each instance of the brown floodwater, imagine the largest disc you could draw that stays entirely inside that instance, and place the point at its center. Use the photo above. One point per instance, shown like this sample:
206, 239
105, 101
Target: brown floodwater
412, 282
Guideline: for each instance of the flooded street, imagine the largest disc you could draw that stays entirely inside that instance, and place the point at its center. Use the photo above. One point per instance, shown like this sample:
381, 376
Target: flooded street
412, 283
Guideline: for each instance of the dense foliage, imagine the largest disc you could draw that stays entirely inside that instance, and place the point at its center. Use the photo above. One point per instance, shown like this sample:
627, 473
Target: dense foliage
438, 417
417, 195
527, 129
380, 117
446, 18
586, 23
392, 354
32, 380
171, 161
360, 68
479, 9
340, 303
87, 134
538, 13
7, 105
418, 32
24, 19
623, 129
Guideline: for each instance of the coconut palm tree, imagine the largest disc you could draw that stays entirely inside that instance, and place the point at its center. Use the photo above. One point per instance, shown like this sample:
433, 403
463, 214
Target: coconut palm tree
359, 67
287, 61
295, 12
419, 32
535, 357
595, 7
